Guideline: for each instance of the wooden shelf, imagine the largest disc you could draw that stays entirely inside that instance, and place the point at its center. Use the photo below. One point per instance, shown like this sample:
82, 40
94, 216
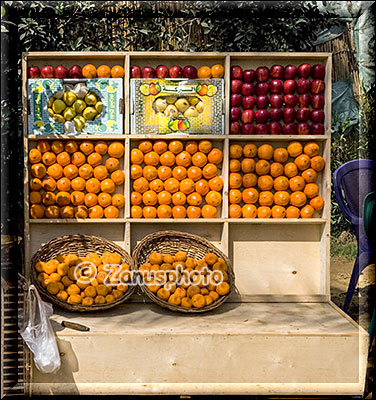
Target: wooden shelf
177, 220
79, 221
172, 136
306, 221
266, 138
77, 137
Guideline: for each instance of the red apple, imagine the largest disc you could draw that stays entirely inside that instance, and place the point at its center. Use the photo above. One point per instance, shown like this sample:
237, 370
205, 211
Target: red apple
276, 86
148, 72
262, 74
247, 116
248, 102
289, 115
60, 72
234, 127
289, 129
235, 113
262, 116
190, 72
276, 100
75, 72
302, 114
161, 72
262, 129
236, 100
247, 129
262, 102
290, 72
175, 72
236, 86
262, 89
304, 85
236, 72
33, 72
275, 114
304, 70
135, 72
291, 100
303, 128
317, 116
304, 100
318, 71
317, 101
249, 75
247, 89
317, 129
318, 86
289, 86
277, 71
275, 128
47, 71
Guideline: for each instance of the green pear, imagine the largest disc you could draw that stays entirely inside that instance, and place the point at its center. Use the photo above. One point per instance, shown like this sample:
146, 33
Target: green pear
171, 99
50, 101
99, 107
191, 112
160, 104
89, 113
58, 106
193, 100
69, 113
200, 107
69, 98
79, 106
59, 118
90, 99
51, 112
171, 111
79, 123
181, 104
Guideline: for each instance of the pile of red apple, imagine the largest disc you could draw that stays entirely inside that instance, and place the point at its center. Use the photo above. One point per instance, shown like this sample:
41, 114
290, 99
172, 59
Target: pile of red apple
279, 100
162, 72
60, 72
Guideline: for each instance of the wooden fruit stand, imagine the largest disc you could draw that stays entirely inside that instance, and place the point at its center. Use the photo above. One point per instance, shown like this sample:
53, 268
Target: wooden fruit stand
279, 334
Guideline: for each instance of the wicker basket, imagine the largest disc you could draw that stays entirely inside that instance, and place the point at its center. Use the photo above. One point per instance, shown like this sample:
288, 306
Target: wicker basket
171, 242
80, 245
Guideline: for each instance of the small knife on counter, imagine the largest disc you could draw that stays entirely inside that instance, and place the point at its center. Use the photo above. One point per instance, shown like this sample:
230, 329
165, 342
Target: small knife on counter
75, 325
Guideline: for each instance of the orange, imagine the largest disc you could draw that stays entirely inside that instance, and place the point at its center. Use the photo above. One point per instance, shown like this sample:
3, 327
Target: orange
149, 198
77, 184
112, 164
67, 212
202, 187
194, 199
281, 183
35, 197
93, 185
77, 198
216, 183
292, 212
264, 212
117, 71
187, 186
151, 158
294, 149
159, 146
290, 170
89, 71
63, 158
167, 159
213, 198
204, 72
236, 151
70, 171
118, 177
247, 165
250, 150
141, 185
164, 211
43, 146
39, 170
116, 150
36, 211
311, 149
217, 71
296, 183
171, 185
249, 180
298, 199
49, 184
164, 197
81, 212
107, 186
265, 182
137, 157
191, 146
35, 184
208, 211
57, 146
78, 158
249, 211
179, 173
215, 156
63, 199
149, 212
262, 167
156, 185
149, 172
104, 199
118, 200
193, 212
265, 152
91, 199
136, 212
266, 198
111, 212
276, 169
317, 163
317, 203
86, 171
250, 195
96, 212
278, 212
199, 159
307, 211
94, 159
234, 165
87, 147
179, 212
205, 146
175, 146
183, 159
71, 146
55, 170
235, 196
235, 180
164, 172
101, 147
194, 173
48, 198
35, 156
311, 190
100, 172
136, 198
49, 158
281, 198
209, 171
234, 211
280, 155
145, 146
309, 175
303, 162
52, 212
136, 171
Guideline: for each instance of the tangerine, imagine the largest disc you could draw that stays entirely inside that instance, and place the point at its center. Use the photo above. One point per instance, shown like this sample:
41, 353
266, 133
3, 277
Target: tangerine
248, 165
57, 146
118, 200
151, 158
264, 212
63, 158
199, 159
265, 152
249, 211
250, 150
70, 171
291, 170
235, 196
202, 187
137, 156
156, 185
183, 159
49, 158
164, 172
136, 212
149, 172
262, 167
104, 199
43, 146
204, 72
235, 180
71, 146
213, 198
266, 198
278, 212
276, 169
101, 147
111, 212
281, 183
49, 184
48, 198
100, 172
87, 147
294, 149
35, 156
307, 211
311, 190
91, 199
136, 171
250, 195
249, 180
265, 182
298, 199
215, 156
234, 211
164, 211
234, 165
67, 212
236, 151
187, 186
217, 71
55, 170
77, 184
175, 146
116, 150
112, 164
303, 162
311, 149
107, 186
39, 170
179, 199
193, 212
208, 211
171, 185
209, 171
167, 158
194, 199
216, 183
205, 146
89, 71
81, 212
94, 159
63, 199
292, 212
309, 175
117, 71
118, 177
96, 212
317, 203
317, 163
296, 183
35, 184
281, 198
52, 212
149, 212
77, 198
78, 158
179, 173
280, 155
160, 146
149, 198
136, 198
86, 171
35, 197
164, 197
194, 173
93, 185
179, 212
191, 146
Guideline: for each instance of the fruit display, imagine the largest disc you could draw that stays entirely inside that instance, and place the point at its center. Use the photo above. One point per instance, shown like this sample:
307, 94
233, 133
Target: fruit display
76, 179
172, 179
185, 281
268, 181
278, 100
88, 71
88, 280
188, 72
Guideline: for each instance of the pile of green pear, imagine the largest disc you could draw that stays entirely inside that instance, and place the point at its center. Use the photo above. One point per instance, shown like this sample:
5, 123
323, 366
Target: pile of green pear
69, 106
172, 106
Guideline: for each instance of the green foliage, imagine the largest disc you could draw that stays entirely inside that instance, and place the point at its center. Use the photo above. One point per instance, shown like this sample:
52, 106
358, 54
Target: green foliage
345, 246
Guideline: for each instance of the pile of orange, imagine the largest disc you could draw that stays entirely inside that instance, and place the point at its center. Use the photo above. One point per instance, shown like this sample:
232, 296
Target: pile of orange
89, 71
175, 179
184, 281
216, 71
88, 280
279, 182
76, 179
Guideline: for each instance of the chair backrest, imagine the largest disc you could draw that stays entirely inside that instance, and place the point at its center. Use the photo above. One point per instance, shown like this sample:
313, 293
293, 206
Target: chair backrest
352, 182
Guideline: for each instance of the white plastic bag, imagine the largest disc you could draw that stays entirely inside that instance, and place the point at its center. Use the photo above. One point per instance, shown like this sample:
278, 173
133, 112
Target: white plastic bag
37, 332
